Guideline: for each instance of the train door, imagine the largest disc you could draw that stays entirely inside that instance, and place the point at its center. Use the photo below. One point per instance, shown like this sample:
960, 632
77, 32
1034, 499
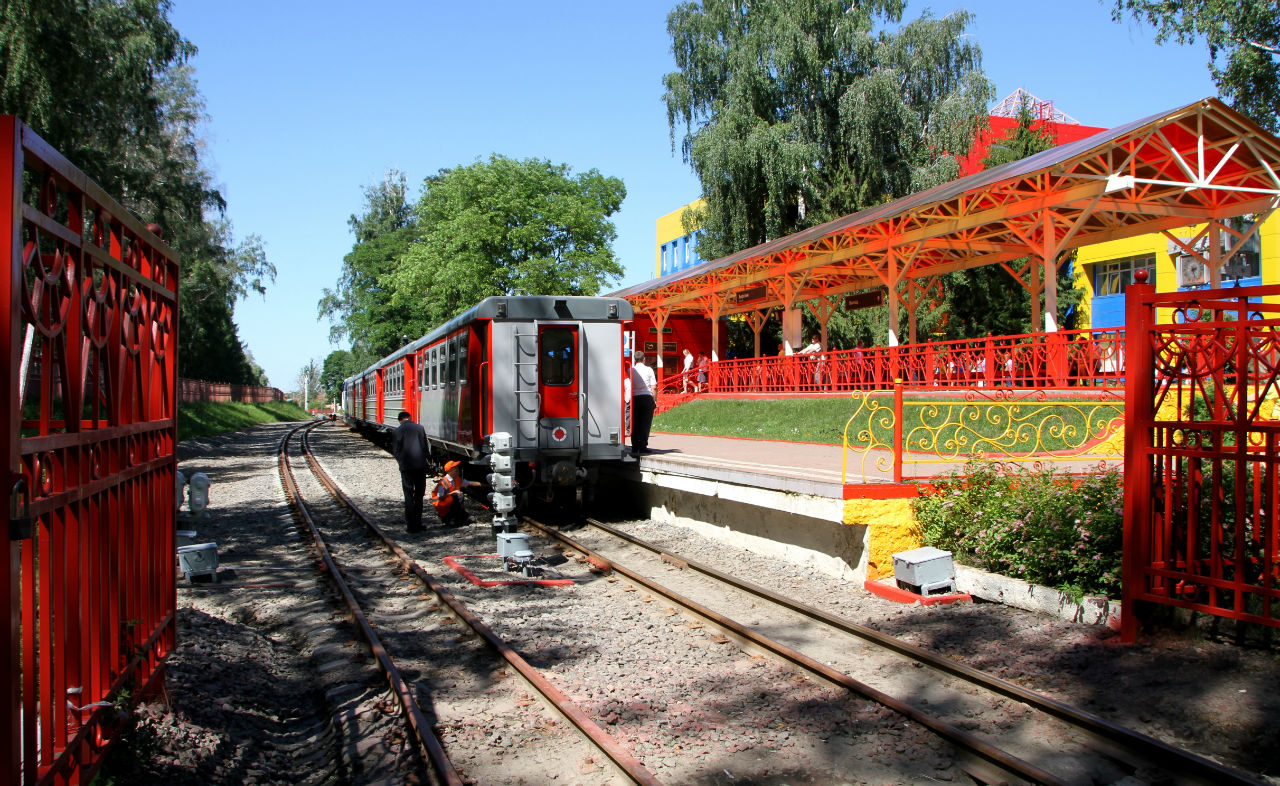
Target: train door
380, 389
410, 386
559, 384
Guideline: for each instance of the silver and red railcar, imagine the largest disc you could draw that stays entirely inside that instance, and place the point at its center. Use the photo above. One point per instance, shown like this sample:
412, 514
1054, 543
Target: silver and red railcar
548, 371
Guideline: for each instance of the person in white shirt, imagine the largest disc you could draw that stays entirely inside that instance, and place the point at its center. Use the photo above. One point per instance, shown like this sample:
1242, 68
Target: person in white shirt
814, 346
688, 366
643, 383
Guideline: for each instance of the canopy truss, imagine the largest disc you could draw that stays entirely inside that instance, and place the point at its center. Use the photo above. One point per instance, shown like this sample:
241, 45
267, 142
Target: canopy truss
1203, 163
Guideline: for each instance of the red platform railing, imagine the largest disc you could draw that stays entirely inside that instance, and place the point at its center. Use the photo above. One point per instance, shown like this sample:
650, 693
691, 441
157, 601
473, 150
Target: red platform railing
90, 432
1202, 470
1069, 358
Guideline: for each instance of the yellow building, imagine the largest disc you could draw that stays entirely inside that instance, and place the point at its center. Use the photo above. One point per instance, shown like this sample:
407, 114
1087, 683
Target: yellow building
1105, 270
676, 250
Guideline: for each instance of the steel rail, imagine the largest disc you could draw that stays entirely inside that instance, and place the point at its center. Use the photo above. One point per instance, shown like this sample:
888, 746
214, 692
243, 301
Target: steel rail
1110, 735
964, 741
622, 759
399, 686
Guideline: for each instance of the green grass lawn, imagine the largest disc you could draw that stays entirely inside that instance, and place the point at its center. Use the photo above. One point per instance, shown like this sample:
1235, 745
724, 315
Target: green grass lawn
209, 418
1044, 426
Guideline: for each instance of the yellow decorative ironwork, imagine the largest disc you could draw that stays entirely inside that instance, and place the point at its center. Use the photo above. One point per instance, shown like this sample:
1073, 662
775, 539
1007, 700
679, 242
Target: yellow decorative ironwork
1013, 427
870, 438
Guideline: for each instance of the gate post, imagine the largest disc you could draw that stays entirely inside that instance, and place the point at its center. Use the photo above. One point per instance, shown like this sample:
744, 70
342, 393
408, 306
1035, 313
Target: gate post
11, 407
1138, 408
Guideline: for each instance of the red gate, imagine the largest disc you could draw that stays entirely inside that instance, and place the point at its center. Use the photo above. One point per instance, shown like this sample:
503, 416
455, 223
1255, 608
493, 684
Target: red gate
1201, 500
91, 336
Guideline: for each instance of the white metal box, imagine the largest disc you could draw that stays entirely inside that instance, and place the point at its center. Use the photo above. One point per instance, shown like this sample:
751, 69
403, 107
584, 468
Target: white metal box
199, 559
925, 571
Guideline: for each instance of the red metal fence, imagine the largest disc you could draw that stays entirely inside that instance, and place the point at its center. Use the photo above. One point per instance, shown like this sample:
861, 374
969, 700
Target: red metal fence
199, 390
1068, 358
1201, 502
90, 432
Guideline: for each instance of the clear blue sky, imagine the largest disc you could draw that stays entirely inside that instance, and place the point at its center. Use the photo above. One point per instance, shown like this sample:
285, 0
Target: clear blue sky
310, 101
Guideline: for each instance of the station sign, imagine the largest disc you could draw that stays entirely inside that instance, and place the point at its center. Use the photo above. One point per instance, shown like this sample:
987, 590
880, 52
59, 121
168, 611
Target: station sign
864, 300
749, 294
652, 346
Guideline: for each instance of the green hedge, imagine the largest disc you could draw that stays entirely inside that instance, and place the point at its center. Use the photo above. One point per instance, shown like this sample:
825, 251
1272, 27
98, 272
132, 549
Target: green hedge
1040, 526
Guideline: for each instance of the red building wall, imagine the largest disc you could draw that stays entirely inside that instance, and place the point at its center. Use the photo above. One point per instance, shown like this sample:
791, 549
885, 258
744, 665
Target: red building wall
681, 332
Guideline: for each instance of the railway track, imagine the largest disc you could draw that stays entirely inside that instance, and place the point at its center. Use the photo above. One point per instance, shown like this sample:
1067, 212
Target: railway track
418, 651
1099, 750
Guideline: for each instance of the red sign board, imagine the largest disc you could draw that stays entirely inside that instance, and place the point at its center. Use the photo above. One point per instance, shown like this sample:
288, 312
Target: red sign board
865, 300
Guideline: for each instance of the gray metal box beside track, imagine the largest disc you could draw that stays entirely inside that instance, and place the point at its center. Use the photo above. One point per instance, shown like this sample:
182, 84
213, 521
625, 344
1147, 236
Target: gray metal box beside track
925, 571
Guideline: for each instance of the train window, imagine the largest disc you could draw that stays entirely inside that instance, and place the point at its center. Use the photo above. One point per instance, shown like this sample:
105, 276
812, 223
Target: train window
452, 368
435, 369
462, 361
557, 353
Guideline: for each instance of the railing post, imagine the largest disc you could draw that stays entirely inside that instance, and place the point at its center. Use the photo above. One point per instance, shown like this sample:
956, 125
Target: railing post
898, 447
989, 361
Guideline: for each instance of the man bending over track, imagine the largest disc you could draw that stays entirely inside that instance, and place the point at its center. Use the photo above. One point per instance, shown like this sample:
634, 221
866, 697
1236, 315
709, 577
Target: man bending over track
447, 495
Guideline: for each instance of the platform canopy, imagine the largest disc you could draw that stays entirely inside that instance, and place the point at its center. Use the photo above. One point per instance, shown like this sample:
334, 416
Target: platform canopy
1202, 163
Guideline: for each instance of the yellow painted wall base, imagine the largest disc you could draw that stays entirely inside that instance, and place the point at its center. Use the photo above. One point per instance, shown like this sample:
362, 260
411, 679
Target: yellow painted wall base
891, 528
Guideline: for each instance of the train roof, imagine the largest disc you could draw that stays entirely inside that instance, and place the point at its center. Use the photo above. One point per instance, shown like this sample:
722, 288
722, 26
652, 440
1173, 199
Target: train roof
518, 308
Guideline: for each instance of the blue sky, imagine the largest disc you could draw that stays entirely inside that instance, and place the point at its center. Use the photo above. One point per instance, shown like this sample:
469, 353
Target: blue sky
308, 102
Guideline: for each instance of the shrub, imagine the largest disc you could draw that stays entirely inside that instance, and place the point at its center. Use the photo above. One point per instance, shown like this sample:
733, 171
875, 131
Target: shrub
1040, 526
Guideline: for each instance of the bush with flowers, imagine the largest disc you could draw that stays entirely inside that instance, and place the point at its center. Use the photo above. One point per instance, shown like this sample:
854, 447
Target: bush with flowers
1044, 527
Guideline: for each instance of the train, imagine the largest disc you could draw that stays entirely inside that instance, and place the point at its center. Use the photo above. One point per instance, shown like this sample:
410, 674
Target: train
548, 371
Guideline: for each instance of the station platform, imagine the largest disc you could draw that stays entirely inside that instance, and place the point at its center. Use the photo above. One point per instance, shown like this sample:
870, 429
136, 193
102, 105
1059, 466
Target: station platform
797, 467
784, 499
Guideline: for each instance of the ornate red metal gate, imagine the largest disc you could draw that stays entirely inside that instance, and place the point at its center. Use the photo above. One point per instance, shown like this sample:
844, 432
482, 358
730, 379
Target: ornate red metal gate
1201, 501
90, 431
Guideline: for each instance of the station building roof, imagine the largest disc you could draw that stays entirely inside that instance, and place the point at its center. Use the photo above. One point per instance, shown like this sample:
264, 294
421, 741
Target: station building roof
1198, 163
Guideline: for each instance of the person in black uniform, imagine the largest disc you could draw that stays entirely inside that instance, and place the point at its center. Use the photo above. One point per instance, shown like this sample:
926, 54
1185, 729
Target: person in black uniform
409, 446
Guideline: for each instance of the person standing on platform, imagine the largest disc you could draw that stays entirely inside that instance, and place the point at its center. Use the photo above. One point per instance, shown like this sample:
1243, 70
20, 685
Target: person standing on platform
409, 446
446, 497
643, 383
688, 368
703, 365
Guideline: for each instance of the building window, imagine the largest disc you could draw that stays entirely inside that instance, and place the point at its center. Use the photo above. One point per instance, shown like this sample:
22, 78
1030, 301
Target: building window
1114, 277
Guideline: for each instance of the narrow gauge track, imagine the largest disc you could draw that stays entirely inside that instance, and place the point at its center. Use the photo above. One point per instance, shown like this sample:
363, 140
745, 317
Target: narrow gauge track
1099, 737
386, 594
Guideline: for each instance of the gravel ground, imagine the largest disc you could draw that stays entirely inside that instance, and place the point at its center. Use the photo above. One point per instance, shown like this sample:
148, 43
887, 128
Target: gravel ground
246, 702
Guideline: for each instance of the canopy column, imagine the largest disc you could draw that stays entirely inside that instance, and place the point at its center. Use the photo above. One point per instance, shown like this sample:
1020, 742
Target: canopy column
821, 308
786, 289
660, 317
757, 320
891, 277
713, 313
792, 329
916, 294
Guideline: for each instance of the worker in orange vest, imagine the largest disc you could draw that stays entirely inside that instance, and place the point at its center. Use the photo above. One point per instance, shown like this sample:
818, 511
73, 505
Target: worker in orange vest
447, 495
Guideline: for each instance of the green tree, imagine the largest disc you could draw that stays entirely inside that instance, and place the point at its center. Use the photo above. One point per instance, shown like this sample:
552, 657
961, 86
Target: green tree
1243, 37
338, 365
506, 227
987, 299
796, 112
360, 307
105, 83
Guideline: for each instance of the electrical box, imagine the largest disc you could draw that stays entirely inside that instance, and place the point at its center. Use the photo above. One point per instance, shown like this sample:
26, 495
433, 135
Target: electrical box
925, 571
199, 560
513, 545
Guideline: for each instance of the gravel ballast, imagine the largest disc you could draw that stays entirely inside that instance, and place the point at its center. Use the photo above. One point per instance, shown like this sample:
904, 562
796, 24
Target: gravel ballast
247, 703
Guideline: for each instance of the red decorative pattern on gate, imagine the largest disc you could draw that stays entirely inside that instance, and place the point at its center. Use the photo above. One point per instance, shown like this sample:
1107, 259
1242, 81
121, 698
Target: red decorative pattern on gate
91, 336
1201, 472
